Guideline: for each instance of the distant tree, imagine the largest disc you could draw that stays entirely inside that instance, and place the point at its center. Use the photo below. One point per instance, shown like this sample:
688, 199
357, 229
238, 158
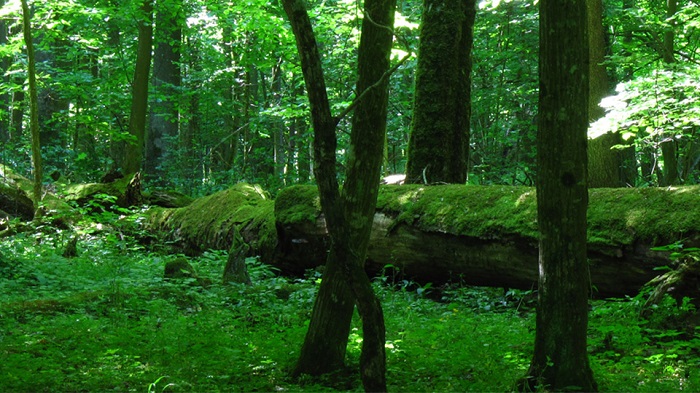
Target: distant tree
438, 148
669, 147
560, 360
164, 119
33, 105
5, 100
604, 162
348, 213
139, 90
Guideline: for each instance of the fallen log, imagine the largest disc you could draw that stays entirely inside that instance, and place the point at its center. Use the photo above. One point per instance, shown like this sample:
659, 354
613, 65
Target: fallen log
477, 235
487, 235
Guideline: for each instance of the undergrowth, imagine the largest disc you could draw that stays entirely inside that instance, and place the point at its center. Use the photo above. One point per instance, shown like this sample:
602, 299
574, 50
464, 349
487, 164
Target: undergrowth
106, 320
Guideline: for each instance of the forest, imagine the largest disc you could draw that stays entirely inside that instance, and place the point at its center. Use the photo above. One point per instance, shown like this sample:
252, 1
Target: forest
339, 195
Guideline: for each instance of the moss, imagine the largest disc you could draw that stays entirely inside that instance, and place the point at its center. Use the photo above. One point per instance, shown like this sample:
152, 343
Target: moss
85, 191
657, 215
210, 221
297, 203
615, 216
476, 211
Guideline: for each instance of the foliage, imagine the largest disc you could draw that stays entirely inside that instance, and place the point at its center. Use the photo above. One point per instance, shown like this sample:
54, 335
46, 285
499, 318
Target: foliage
107, 319
663, 106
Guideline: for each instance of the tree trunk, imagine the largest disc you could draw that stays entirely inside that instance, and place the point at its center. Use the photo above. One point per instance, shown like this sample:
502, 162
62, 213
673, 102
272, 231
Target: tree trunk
348, 215
359, 195
33, 106
164, 122
670, 173
17, 117
604, 162
324, 346
139, 93
669, 33
439, 143
560, 360
5, 98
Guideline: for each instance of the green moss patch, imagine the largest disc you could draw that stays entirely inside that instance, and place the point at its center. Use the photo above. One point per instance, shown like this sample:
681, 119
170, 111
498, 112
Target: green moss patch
209, 221
616, 216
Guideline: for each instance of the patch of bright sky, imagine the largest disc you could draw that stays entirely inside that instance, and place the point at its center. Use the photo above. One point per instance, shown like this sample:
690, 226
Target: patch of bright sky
13, 7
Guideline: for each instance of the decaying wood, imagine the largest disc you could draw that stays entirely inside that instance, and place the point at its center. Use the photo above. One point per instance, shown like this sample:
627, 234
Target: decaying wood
427, 249
474, 235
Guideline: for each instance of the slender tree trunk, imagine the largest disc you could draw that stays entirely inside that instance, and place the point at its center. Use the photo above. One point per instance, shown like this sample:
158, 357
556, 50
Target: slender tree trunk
359, 196
33, 106
348, 216
669, 146
326, 339
439, 142
560, 361
17, 116
139, 93
5, 98
669, 33
18, 101
164, 124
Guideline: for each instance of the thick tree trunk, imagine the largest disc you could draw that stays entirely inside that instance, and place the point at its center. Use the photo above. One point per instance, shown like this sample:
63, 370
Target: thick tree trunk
164, 118
560, 360
604, 162
439, 142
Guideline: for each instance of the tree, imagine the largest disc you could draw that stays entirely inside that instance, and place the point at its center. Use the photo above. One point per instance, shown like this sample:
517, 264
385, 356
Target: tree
166, 83
604, 162
348, 214
560, 360
139, 90
33, 104
4, 96
438, 147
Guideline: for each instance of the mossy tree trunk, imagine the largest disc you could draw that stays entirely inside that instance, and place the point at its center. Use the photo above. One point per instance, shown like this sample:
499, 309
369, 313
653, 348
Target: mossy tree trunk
325, 343
33, 106
166, 82
360, 191
139, 91
438, 147
603, 162
5, 100
560, 360
348, 215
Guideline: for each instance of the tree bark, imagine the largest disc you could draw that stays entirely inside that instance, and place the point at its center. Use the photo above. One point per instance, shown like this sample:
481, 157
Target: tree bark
359, 195
166, 82
439, 143
560, 360
33, 106
139, 93
604, 162
324, 346
5, 98
349, 215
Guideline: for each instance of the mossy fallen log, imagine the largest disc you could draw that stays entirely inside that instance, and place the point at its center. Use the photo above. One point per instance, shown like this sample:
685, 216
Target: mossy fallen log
211, 222
478, 235
487, 235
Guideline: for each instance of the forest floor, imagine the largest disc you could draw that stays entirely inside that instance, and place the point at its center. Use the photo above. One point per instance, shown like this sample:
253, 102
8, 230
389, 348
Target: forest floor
106, 320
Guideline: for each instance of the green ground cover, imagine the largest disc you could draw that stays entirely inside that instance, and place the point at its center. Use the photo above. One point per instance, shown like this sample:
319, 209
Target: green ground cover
107, 321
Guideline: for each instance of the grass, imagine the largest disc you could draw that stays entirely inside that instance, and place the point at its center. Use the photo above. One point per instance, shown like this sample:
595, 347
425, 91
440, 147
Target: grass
107, 321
